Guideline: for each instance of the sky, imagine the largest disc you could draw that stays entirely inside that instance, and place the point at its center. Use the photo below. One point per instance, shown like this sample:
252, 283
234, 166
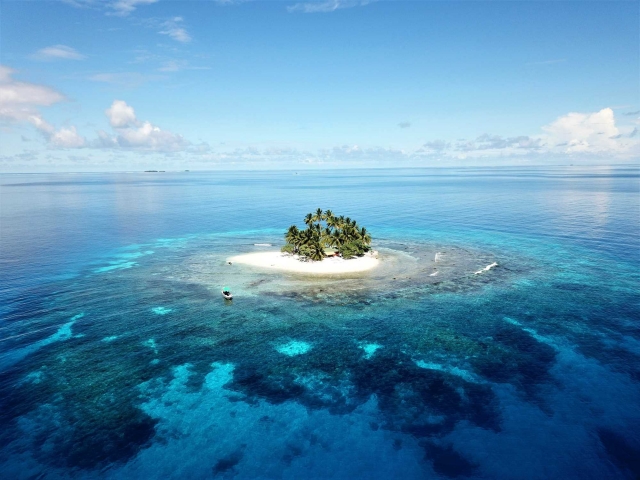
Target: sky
130, 85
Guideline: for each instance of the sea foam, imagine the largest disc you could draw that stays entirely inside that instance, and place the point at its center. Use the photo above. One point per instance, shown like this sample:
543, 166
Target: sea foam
487, 268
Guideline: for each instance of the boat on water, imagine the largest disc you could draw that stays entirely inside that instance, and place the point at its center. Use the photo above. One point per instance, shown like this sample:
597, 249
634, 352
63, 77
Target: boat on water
226, 293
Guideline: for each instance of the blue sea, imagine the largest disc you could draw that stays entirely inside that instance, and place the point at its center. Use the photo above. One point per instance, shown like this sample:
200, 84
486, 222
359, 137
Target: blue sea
119, 358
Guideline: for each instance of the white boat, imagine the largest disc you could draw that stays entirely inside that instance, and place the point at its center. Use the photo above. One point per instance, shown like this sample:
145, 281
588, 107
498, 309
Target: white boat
227, 295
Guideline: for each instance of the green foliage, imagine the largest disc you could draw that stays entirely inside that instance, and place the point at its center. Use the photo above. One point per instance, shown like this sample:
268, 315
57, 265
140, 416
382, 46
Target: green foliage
355, 248
340, 233
288, 248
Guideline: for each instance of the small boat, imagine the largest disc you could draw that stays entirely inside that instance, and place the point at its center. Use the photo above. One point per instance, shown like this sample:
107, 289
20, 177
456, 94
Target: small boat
226, 293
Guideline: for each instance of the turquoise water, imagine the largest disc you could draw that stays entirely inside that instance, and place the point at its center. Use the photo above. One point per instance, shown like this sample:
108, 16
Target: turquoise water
120, 359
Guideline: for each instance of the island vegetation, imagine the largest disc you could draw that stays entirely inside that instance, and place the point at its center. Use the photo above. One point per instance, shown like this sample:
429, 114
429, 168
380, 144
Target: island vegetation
326, 234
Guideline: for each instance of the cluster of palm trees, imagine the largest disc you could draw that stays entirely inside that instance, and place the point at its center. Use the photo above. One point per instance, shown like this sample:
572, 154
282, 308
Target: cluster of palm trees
325, 230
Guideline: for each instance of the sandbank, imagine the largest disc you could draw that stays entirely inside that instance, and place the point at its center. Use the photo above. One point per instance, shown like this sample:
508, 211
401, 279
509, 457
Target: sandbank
291, 263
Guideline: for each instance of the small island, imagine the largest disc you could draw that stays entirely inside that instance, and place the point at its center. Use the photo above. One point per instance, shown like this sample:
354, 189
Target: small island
327, 235
329, 244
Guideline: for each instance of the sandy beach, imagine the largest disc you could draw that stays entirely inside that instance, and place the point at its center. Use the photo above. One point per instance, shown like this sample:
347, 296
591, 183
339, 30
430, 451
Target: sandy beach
291, 263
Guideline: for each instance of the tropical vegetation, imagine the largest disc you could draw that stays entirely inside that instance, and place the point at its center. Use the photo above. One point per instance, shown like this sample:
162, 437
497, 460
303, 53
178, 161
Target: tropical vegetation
325, 231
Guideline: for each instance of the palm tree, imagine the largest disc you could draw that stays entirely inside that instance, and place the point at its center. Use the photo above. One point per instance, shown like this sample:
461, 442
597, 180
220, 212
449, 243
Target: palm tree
318, 217
341, 233
364, 235
291, 233
349, 231
326, 239
336, 238
308, 219
317, 252
307, 236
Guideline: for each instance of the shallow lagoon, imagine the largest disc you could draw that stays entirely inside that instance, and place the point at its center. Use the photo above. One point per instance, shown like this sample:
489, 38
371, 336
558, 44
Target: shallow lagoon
528, 370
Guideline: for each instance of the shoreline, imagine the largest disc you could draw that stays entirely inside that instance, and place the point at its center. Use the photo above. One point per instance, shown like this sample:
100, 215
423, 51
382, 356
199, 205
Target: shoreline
290, 263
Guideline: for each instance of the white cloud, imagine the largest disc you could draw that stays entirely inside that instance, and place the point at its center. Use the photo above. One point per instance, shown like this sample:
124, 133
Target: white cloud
326, 6
134, 134
606, 143
497, 142
120, 114
19, 102
57, 52
121, 8
575, 135
67, 138
125, 7
174, 29
584, 132
150, 137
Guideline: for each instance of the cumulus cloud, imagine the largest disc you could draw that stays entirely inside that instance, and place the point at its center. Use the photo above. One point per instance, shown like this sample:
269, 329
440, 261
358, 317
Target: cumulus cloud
19, 102
67, 138
592, 134
57, 52
575, 136
585, 132
120, 114
174, 29
325, 6
137, 135
150, 137
64, 137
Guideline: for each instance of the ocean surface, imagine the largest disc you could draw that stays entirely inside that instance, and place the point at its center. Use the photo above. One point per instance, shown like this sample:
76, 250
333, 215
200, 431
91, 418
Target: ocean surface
119, 358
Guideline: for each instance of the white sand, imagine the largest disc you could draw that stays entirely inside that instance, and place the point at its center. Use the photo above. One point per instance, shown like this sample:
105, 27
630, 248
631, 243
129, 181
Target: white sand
291, 263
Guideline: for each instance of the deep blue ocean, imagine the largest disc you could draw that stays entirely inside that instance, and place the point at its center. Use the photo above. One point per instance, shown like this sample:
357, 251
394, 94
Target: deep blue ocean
119, 358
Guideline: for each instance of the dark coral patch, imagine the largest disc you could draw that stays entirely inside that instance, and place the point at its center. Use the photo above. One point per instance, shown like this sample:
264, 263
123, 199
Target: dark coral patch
517, 358
419, 401
276, 389
110, 445
623, 454
229, 462
446, 461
